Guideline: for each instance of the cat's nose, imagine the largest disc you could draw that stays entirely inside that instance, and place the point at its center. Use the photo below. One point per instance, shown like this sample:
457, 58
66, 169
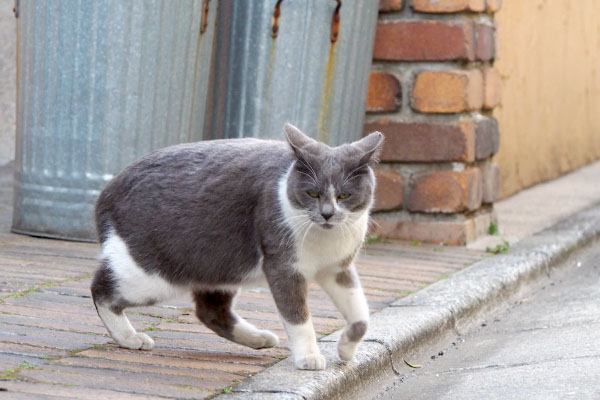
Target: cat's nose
326, 215
326, 211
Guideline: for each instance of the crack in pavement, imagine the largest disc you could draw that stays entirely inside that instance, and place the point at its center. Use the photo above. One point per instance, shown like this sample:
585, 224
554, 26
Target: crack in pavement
502, 366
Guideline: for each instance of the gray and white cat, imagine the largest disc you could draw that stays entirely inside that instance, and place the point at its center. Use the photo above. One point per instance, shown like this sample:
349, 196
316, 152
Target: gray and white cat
211, 217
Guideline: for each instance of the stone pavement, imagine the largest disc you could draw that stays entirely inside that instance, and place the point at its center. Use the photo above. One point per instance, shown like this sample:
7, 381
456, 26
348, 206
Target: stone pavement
53, 345
543, 346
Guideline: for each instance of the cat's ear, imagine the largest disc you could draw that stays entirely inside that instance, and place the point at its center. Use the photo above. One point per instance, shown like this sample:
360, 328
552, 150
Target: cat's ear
370, 147
296, 139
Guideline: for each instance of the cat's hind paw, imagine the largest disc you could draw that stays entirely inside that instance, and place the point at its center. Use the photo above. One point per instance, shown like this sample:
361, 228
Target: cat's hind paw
137, 341
310, 361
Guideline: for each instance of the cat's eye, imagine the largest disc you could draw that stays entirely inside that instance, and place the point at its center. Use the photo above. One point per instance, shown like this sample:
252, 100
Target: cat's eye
312, 194
343, 196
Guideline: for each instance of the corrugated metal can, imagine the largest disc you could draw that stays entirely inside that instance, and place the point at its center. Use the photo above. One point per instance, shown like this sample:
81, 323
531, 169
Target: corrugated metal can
101, 83
302, 61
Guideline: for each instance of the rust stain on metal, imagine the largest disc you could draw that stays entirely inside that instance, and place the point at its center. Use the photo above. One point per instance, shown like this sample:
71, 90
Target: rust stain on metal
269, 96
203, 25
335, 29
323, 134
204, 22
335, 22
275, 19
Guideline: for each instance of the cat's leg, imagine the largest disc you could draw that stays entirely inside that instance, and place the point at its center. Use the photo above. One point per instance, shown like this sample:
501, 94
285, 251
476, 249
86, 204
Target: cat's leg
214, 309
110, 306
289, 290
343, 286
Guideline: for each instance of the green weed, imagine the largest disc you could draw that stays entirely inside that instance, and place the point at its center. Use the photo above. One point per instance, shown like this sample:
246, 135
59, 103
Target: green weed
27, 365
493, 228
372, 239
499, 249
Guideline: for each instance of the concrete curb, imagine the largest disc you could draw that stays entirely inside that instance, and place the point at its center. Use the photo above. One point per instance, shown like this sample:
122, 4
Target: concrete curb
425, 316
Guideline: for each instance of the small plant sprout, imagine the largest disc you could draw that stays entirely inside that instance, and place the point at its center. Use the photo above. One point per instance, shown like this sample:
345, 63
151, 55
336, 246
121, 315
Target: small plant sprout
499, 249
493, 228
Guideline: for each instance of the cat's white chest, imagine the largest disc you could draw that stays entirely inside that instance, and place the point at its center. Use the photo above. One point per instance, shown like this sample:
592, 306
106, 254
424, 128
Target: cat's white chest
327, 248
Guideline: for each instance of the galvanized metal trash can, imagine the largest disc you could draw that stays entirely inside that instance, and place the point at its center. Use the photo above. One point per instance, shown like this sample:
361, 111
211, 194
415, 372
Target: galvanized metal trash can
101, 83
303, 61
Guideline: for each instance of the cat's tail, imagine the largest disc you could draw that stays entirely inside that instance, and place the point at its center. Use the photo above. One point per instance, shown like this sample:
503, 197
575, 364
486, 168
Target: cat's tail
103, 217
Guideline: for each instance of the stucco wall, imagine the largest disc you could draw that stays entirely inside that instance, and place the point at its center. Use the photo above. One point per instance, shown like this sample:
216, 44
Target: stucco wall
549, 60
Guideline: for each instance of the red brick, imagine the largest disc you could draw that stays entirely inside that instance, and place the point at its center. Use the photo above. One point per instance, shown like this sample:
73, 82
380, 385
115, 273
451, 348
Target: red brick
384, 92
390, 5
487, 138
447, 6
492, 88
491, 182
453, 233
445, 191
388, 193
425, 141
485, 44
453, 230
448, 91
402, 40
493, 5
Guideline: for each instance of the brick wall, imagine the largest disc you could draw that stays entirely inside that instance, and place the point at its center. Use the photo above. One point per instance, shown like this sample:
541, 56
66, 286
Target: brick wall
431, 93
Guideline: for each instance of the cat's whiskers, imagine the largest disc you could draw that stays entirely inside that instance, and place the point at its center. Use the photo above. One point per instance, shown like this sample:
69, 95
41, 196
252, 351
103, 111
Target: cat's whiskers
296, 228
310, 168
294, 225
299, 227
311, 177
350, 177
372, 221
306, 233
343, 230
348, 227
284, 218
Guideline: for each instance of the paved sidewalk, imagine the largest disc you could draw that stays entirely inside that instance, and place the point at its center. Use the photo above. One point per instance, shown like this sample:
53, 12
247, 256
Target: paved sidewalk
544, 346
53, 345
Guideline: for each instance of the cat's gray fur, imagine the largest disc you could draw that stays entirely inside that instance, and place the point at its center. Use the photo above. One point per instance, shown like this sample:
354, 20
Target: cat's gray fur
206, 217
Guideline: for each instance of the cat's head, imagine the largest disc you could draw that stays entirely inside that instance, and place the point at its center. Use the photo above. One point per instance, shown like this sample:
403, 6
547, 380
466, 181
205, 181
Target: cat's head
332, 185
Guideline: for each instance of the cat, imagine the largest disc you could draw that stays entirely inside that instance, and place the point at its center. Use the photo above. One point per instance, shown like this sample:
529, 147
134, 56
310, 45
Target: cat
210, 217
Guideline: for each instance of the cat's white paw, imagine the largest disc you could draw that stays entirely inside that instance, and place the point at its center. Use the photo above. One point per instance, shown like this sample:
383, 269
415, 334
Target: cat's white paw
311, 361
138, 341
262, 339
347, 350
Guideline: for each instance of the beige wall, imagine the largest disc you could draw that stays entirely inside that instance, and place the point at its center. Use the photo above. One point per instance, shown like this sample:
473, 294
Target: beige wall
549, 59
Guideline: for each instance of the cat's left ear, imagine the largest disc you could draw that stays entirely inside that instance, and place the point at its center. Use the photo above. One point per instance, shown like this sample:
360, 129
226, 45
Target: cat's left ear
371, 147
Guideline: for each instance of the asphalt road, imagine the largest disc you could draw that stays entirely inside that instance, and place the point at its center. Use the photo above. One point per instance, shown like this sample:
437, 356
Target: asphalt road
545, 346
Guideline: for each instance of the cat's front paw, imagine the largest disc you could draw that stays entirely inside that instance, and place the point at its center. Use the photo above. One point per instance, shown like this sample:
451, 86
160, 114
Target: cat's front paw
138, 341
310, 361
347, 350
263, 339
350, 339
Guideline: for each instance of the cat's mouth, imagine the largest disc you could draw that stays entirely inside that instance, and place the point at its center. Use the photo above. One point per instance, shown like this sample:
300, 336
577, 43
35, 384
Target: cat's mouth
326, 225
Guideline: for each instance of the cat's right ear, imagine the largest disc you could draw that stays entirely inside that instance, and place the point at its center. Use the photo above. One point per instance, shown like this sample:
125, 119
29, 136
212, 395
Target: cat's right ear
297, 139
